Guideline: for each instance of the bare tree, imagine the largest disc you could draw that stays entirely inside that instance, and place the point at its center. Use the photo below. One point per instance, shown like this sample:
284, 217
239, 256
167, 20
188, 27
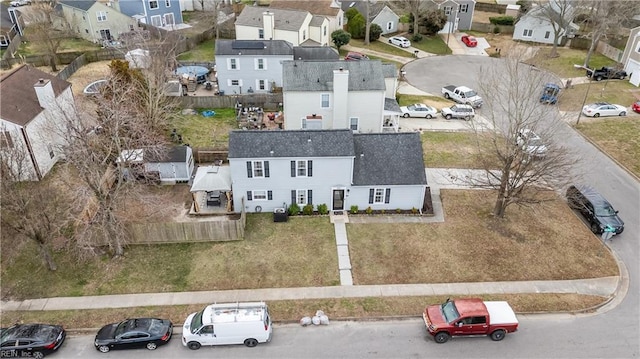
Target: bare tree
215, 6
416, 8
520, 168
605, 18
559, 14
48, 28
367, 26
38, 211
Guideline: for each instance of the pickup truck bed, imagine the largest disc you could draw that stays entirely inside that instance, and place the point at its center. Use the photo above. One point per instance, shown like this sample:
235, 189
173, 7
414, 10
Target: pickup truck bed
501, 313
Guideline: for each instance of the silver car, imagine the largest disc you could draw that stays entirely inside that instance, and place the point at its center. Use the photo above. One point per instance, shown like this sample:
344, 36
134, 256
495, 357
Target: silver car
400, 41
604, 109
418, 110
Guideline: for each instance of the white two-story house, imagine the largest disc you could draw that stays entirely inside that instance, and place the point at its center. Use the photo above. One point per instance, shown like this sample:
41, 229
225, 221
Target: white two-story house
300, 28
338, 168
356, 95
246, 66
326, 8
35, 109
536, 25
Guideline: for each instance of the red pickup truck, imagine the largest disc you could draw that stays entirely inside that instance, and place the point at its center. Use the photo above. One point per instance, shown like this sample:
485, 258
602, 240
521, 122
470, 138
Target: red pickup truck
469, 317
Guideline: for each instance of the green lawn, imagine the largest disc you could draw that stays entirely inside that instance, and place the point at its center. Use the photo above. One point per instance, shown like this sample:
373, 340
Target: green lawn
432, 44
29, 48
204, 52
450, 149
200, 131
399, 65
563, 65
381, 47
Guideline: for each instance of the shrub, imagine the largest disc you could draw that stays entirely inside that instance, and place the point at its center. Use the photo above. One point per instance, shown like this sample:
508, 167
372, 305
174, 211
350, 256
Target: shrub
294, 209
323, 209
354, 209
340, 38
307, 210
369, 210
382, 211
374, 32
398, 210
416, 38
502, 20
414, 210
496, 30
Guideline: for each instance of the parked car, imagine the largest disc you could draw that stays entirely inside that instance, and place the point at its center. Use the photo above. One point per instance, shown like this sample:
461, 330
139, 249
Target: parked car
531, 143
469, 317
31, 340
606, 73
595, 209
17, 3
355, 56
604, 109
133, 333
470, 41
458, 111
636, 107
462, 94
400, 41
418, 110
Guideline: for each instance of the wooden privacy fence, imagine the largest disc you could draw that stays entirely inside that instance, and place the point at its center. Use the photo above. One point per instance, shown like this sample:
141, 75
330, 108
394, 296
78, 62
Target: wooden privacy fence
188, 232
269, 102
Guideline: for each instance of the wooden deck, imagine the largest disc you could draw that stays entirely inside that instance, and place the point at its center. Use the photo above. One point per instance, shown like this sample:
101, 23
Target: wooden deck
257, 119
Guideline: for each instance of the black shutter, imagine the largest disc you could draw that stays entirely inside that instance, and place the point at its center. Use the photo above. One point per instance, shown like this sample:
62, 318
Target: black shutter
293, 168
249, 171
293, 196
266, 168
387, 195
269, 195
371, 193
309, 197
310, 168
249, 196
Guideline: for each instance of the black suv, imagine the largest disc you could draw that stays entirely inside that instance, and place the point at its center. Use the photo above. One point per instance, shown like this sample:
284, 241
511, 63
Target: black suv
595, 209
606, 73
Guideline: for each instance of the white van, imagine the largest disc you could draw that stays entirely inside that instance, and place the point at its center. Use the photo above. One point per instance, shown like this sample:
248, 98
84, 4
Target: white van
231, 323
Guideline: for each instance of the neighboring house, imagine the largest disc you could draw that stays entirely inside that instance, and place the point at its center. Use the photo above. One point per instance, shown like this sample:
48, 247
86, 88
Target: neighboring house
533, 26
11, 24
250, 66
356, 95
327, 8
459, 14
300, 28
631, 56
339, 168
174, 165
159, 13
379, 13
95, 21
34, 107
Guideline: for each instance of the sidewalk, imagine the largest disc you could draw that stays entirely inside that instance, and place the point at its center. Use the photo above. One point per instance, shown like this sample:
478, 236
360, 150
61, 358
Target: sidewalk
605, 287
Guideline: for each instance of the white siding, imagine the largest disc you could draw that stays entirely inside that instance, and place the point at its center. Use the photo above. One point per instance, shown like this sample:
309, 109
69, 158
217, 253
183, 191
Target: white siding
401, 197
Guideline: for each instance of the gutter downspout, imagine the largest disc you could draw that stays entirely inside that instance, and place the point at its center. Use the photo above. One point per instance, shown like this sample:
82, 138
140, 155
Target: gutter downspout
31, 155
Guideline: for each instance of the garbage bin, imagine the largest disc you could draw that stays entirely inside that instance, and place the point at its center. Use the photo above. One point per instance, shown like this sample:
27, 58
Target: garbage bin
280, 215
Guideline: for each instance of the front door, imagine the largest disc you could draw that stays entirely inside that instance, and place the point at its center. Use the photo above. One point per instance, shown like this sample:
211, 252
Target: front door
338, 199
105, 34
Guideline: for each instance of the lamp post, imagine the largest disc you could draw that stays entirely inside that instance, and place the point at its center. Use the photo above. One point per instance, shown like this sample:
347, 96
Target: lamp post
584, 101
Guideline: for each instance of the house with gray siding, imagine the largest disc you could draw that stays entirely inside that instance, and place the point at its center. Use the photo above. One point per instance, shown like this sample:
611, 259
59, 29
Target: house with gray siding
631, 56
339, 168
356, 95
379, 13
245, 66
159, 13
95, 21
536, 26
11, 24
459, 14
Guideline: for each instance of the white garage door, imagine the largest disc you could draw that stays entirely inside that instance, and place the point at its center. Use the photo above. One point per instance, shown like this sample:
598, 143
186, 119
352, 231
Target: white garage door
633, 67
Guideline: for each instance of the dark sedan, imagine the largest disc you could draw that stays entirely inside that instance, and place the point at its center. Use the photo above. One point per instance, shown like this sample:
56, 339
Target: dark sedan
31, 340
134, 333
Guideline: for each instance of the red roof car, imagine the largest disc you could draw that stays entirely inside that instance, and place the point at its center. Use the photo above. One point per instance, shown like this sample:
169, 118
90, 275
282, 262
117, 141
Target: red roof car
355, 56
636, 106
470, 41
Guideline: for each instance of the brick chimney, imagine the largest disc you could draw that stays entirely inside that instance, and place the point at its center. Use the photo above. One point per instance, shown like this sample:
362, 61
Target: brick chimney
44, 91
269, 23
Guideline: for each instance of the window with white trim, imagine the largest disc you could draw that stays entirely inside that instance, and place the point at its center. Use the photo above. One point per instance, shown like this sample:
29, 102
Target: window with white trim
301, 197
353, 123
257, 169
262, 85
325, 100
259, 195
527, 33
156, 21
547, 34
464, 7
389, 25
311, 123
234, 82
102, 16
260, 33
153, 4
324, 30
304, 35
378, 196
447, 10
232, 64
167, 3
261, 64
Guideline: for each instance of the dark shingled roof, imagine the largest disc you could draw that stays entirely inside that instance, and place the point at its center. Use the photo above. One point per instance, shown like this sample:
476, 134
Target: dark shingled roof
389, 70
374, 8
268, 47
19, 100
290, 144
388, 159
390, 104
78, 4
289, 20
316, 7
317, 20
319, 53
318, 75
173, 154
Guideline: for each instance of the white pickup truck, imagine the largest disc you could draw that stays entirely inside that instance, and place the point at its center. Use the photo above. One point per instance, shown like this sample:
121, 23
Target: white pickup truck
462, 94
